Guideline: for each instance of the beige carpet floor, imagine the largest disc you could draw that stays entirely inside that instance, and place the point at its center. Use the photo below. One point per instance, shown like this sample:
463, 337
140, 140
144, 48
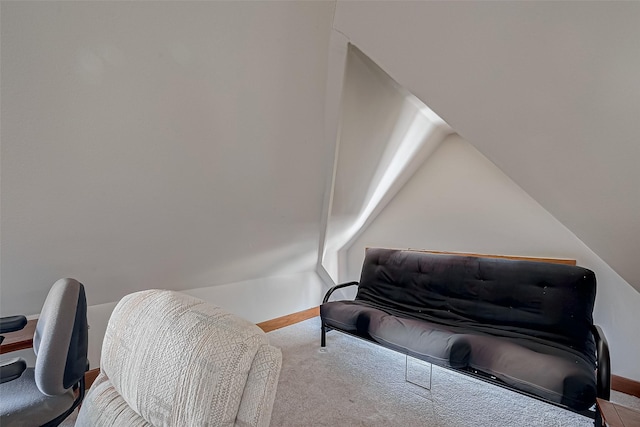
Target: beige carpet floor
355, 383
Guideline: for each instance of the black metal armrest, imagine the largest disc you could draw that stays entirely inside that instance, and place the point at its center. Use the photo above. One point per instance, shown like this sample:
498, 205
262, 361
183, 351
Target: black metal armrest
342, 285
603, 363
12, 369
323, 339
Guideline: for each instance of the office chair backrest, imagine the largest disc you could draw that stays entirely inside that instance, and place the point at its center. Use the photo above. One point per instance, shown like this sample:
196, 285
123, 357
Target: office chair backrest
61, 338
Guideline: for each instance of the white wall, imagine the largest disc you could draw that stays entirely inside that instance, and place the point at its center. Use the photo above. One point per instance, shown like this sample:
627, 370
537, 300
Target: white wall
159, 144
256, 300
371, 107
548, 91
460, 201
385, 135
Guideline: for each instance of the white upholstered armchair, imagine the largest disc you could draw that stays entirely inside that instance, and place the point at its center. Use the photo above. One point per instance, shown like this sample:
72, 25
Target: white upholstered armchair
172, 360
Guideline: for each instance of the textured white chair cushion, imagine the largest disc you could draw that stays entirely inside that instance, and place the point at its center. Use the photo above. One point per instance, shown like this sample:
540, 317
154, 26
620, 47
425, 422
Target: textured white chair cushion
178, 361
107, 408
260, 390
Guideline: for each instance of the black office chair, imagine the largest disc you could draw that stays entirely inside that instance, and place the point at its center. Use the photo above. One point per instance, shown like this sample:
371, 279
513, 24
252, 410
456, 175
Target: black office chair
50, 392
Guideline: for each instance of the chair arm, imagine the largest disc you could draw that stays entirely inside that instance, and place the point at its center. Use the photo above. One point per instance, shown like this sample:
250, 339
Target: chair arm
12, 323
603, 363
342, 285
12, 369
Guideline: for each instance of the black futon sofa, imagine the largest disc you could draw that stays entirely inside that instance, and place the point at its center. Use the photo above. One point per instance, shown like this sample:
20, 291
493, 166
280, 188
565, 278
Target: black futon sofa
524, 325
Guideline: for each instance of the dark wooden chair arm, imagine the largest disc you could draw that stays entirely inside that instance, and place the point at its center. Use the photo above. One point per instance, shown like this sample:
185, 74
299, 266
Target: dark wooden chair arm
331, 290
603, 363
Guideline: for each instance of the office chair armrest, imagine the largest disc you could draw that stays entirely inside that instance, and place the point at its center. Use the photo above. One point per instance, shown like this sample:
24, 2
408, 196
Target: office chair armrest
12, 323
12, 369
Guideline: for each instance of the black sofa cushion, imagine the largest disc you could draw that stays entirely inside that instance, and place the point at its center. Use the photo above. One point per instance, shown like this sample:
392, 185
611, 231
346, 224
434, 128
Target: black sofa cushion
549, 372
554, 375
427, 341
549, 303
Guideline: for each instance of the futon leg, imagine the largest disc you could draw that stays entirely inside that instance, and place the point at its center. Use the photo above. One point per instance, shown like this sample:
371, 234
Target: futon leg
598, 420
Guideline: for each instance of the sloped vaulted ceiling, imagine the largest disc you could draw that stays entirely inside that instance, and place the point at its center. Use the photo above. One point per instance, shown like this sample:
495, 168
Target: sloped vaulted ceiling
549, 91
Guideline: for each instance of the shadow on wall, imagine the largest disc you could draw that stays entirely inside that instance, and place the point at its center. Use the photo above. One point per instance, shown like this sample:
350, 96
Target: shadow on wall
386, 134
